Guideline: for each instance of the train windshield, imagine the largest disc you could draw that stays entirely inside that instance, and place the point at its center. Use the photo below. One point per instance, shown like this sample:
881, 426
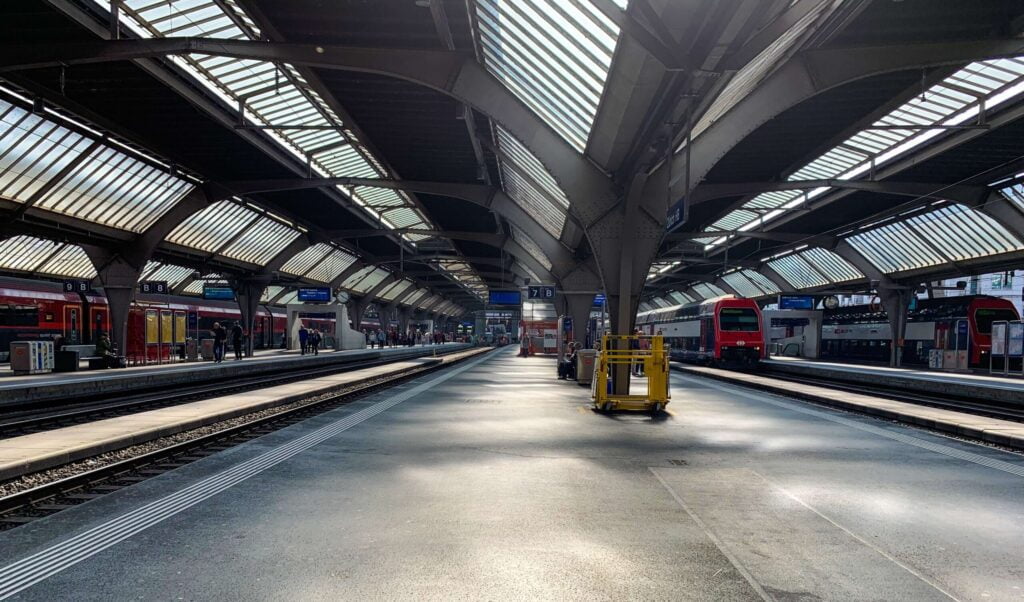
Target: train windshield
985, 316
738, 318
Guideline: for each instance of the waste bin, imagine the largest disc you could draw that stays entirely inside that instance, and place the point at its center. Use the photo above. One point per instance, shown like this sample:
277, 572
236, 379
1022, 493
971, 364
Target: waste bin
31, 357
66, 360
206, 348
585, 359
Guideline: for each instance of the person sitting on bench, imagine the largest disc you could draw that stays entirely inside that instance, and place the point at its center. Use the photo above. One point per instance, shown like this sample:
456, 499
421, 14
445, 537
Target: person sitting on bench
105, 350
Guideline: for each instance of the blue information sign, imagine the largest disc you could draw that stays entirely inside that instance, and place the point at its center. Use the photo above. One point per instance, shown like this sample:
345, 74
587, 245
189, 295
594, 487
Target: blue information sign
221, 293
796, 302
599, 300
505, 298
317, 294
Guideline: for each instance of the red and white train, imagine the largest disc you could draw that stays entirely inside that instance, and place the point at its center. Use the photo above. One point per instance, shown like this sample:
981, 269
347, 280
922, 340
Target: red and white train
723, 331
158, 325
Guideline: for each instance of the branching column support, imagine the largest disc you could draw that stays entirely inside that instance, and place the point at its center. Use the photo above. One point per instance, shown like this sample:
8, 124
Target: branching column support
119, 279
248, 291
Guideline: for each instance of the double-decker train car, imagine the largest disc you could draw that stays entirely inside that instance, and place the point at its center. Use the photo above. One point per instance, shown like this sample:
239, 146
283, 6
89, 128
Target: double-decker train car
158, 325
862, 332
725, 331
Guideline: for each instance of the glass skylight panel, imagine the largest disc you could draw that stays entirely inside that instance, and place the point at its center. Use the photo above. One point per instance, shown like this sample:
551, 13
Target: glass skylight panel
944, 103
371, 280
751, 74
306, 259
896, 247
680, 298
965, 233
355, 278
762, 282
33, 150
831, 265
395, 289
31, 254
331, 266
554, 55
797, 272
530, 185
69, 260
172, 274
113, 189
708, 291
213, 227
531, 247
743, 287
1015, 194
464, 275
289, 297
272, 94
261, 241
414, 296
270, 293
196, 286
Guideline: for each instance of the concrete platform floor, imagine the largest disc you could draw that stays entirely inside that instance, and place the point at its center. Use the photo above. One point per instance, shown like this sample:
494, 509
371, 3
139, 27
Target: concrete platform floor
495, 481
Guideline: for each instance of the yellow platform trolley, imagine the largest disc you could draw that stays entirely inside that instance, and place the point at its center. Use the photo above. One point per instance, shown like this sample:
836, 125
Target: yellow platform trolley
630, 352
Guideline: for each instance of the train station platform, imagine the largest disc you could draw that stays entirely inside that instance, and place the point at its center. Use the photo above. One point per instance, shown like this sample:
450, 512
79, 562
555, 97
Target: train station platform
493, 480
38, 451
15, 390
978, 386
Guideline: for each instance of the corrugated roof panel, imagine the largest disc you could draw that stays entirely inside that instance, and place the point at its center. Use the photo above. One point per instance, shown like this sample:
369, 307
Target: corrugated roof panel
306, 259
38, 255
33, 150
762, 282
172, 274
553, 55
531, 247
797, 272
261, 241
371, 280
742, 285
331, 267
213, 227
831, 265
69, 261
895, 247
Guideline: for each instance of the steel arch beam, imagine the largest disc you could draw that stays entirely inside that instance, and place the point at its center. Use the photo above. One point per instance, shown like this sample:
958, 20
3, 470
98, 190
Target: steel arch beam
961, 193
806, 75
479, 194
453, 73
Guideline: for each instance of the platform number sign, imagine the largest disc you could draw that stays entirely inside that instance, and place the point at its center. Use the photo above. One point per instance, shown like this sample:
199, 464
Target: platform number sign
541, 292
153, 287
76, 286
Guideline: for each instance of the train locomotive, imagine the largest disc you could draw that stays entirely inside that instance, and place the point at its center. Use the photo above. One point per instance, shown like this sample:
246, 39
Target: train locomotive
861, 333
725, 331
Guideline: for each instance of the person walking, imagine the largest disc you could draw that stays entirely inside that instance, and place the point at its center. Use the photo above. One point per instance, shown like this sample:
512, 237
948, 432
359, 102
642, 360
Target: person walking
303, 338
220, 338
236, 340
314, 341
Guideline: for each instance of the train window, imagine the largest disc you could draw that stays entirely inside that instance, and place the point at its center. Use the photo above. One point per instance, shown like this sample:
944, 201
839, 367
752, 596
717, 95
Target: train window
984, 317
737, 318
19, 315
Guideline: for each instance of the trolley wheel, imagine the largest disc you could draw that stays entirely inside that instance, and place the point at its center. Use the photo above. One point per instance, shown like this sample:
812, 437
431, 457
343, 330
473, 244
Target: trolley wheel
657, 409
607, 407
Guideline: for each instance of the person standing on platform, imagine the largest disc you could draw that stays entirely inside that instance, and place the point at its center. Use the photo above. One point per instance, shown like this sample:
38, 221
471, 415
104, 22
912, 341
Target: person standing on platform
303, 338
236, 340
314, 341
220, 338
381, 337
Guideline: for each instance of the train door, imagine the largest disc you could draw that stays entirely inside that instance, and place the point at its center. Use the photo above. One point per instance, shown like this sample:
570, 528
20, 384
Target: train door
180, 333
152, 335
166, 333
707, 332
98, 322
72, 324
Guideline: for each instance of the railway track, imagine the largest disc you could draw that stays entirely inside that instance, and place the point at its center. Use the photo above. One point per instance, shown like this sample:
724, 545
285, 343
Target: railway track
956, 403
31, 504
60, 413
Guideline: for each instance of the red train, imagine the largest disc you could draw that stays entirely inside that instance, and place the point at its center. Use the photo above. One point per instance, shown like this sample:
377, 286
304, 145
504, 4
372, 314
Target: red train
158, 325
862, 332
725, 330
